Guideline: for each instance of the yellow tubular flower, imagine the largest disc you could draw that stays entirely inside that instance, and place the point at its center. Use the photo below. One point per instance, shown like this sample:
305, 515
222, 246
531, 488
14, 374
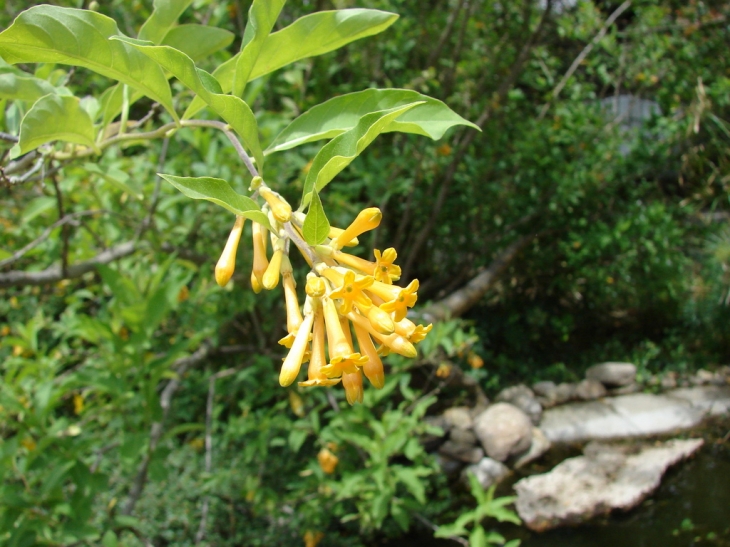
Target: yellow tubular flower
270, 279
379, 319
394, 342
405, 327
335, 232
260, 262
315, 376
352, 382
227, 262
373, 369
354, 262
406, 299
327, 461
342, 357
350, 291
293, 361
279, 207
368, 219
385, 270
420, 333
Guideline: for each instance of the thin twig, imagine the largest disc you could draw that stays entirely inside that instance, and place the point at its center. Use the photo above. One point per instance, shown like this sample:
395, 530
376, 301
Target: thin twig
64, 228
582, 55
209, 444
8, 137
17, 255
434, 527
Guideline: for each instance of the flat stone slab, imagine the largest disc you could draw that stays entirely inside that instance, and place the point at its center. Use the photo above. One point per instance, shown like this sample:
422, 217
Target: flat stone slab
635, 415
605, 478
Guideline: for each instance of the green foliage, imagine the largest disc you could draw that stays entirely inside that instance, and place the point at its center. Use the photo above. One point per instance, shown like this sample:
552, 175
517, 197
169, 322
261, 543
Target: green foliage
487, 507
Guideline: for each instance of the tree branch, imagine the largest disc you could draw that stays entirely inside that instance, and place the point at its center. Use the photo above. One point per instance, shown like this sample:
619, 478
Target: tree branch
458, 302
55, 273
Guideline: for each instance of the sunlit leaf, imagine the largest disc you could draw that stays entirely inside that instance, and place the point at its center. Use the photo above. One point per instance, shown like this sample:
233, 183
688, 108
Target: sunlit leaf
26, 88
343, 149
309, 36
55, 118
261, 18
333, 117
232, 109
219, 192
198, 41
50, 34
164, 16
316, 226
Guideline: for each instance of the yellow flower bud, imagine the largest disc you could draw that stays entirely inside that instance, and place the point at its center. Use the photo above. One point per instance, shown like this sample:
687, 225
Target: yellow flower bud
293, 315
271, 276
327, 461
352, 382
255, 283
280, 208
315, 286
293, 361
227, 262
260, 262
373, 369
368, 219
334, 233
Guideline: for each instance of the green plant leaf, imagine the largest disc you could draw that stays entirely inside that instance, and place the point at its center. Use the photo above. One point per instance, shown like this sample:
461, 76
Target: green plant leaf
115, 177
478, 537
411, 479
55, 118
316, 227
164, 16
25, 88
343, 149
219, 192
232, 109
261, 18
50, 34
308, 36
339, 114
198, 41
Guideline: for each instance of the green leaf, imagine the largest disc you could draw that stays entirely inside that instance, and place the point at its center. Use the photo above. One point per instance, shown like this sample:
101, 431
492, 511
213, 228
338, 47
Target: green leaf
232, 109
164, 16
109, 539
219, 192
198, 41
316, 227
343, 149
380, 507
55, 118
24, 88
333, 117
50, 34
261, 18
309, 36
116, 178
412, 481
478, 537
399, 514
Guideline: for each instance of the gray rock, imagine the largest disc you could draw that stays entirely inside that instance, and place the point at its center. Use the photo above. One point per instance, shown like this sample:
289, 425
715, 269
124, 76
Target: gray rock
703, 377
463, 436
504, 430
539, 445
669, 380
587, 390
550, 394
625, 390
612, 374
458, 416
467, 453
710, 400
488, 472
523, 398
602, 480
636, 415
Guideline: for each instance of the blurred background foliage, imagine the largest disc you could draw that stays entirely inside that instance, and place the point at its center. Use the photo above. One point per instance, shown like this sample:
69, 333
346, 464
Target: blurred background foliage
139, 402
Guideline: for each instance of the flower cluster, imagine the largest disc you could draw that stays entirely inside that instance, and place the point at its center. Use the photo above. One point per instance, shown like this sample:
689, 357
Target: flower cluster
345, 295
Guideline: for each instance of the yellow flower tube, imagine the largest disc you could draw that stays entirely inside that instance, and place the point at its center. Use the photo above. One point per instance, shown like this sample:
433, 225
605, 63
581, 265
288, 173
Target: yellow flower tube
342, 357
279, 207
293, 361
373, 369
260, 262
315, 375
394, 342
352, 382
227, 262
367, 219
